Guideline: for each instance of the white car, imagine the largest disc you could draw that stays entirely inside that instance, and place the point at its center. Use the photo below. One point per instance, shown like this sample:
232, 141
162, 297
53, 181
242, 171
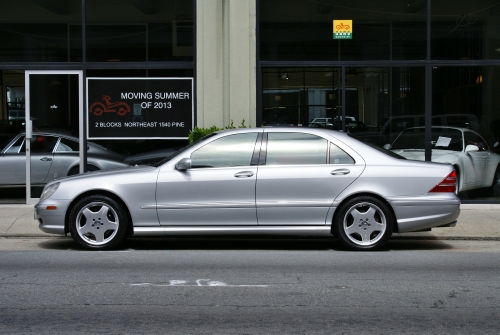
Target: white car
477, 166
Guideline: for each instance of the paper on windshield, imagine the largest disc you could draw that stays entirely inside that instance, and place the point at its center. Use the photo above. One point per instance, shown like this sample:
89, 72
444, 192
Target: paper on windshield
443, 141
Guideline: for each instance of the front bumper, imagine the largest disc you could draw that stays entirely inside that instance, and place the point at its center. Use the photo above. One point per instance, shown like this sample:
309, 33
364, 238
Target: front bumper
52, 220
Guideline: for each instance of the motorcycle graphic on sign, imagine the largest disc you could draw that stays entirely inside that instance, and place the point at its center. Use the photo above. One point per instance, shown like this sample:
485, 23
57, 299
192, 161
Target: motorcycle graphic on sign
98, 108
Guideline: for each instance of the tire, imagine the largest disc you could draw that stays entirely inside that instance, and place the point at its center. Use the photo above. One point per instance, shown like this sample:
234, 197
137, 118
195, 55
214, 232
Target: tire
458, 181
97, 108
98, 222
494, 189
363, 223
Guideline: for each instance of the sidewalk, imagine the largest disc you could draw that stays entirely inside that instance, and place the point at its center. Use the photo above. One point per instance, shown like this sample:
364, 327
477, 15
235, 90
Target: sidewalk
476, 222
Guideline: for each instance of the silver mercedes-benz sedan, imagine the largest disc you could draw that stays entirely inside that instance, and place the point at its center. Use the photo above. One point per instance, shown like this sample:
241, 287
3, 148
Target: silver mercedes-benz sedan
298, 181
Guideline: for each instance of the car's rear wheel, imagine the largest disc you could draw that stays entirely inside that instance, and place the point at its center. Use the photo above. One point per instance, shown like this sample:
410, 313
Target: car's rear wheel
98, 222
364, 223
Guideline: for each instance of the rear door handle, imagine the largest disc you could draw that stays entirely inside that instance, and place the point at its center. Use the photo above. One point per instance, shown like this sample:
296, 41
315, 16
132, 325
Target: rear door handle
340, 171
46, 159
243, 174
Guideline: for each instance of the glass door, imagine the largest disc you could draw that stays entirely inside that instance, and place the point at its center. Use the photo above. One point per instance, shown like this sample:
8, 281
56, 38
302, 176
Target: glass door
54, 110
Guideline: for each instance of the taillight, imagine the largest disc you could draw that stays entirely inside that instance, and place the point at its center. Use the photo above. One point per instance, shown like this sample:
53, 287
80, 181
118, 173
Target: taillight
448, 184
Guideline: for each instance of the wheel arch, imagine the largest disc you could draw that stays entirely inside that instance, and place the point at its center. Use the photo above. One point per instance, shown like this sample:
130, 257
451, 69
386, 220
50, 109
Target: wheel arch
90, 167
374, 195
98, 192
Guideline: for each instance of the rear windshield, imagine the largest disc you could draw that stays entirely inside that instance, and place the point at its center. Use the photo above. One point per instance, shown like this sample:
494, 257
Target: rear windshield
378, 148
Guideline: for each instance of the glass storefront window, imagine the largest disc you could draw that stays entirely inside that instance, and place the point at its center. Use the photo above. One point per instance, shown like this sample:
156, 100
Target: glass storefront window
37, 31
136, 31
303, 30
297, 96
465, 101
466, 30
141, 151
154, 31
379, 101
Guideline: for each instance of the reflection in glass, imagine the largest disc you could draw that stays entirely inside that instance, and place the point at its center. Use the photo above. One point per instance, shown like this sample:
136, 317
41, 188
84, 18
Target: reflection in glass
37, 31
302, 30
376, 97
339, 156
232, 150
295, 149
140, 31
442, 139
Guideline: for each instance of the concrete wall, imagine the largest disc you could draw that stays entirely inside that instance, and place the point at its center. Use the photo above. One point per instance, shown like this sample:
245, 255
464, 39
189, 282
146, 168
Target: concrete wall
226, 62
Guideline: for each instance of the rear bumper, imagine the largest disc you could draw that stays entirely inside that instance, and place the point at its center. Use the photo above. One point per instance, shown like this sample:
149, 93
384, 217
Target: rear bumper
429, 211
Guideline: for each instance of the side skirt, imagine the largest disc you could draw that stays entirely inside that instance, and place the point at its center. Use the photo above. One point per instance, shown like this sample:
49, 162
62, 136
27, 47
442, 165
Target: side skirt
268, 230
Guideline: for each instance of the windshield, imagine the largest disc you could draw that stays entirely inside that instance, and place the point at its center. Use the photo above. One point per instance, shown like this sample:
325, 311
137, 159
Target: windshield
441, 139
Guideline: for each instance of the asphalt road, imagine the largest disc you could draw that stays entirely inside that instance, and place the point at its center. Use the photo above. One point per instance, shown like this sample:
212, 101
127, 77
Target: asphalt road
249, 286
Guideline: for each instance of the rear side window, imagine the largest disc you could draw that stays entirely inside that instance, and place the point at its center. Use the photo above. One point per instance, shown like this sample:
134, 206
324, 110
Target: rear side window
339, 156
67, 145
295, 149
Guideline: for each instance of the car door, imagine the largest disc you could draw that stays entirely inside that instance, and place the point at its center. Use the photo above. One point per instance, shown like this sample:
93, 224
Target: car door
476, 161
218, 189
300, 178
13, 160
66, 155
13, 163
42, 156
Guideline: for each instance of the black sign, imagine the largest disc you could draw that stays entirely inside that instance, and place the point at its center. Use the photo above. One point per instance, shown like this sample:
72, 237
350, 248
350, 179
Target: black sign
136, 108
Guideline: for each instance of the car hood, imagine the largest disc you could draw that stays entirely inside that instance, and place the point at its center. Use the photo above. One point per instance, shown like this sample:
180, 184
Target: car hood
419, 154
160, 154
103, 173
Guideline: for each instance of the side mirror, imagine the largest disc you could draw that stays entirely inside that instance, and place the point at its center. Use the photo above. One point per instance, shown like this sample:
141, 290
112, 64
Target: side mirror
184, 164
471, 148
387, 146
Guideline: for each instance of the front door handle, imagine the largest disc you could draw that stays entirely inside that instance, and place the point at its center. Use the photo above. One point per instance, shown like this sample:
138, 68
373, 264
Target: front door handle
46, 159
244, 174
340, 171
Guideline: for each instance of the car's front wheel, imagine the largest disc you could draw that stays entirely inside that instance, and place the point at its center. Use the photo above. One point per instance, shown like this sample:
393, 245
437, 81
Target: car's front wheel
98, 222
363, 223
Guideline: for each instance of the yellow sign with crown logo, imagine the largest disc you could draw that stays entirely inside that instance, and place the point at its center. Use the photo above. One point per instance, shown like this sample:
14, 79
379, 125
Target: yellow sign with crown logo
342, 29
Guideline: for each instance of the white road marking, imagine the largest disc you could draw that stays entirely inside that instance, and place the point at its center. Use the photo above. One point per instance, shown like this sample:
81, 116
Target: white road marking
199, 282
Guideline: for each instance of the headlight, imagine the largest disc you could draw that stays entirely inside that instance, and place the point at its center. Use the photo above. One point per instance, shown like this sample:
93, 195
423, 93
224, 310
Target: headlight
48, 191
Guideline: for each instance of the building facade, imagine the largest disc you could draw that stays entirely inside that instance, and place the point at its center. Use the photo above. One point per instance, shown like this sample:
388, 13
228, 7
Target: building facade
373, 68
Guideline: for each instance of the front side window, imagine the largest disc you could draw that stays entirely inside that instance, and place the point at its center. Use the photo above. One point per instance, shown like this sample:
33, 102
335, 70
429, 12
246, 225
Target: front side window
295, 149
42, 143
232, 150
474, 139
